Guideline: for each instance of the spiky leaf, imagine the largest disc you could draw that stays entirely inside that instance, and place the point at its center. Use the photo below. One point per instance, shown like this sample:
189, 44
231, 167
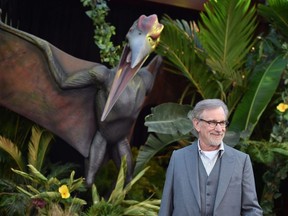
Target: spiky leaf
36, 174
118, 194
12, 149
226, 31
179, 47
37, 154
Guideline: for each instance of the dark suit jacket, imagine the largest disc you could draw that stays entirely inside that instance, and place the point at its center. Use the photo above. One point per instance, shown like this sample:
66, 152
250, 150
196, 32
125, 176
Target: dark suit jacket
236, 194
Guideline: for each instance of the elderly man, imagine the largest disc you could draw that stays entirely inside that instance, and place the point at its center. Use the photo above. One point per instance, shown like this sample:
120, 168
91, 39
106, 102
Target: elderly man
209, 177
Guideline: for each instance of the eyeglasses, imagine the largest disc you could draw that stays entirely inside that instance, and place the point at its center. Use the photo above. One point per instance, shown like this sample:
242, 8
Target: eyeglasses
213, 123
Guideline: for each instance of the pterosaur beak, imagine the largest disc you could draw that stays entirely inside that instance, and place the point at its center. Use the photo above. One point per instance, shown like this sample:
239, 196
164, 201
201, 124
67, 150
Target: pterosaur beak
123, 75
143, 37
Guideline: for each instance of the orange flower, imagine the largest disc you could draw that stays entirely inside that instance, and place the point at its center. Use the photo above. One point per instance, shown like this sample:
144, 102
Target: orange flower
282, 107
64, 191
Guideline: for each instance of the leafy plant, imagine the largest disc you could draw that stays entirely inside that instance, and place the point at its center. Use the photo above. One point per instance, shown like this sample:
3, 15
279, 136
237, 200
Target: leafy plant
169, 124
37, 148
276, 13
103, 31
245, 76
273, 155
51, 195
117, 204
195, 54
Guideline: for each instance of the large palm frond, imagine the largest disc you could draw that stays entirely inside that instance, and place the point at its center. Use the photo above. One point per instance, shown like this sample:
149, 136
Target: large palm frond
226, 31
179, 46
12, 149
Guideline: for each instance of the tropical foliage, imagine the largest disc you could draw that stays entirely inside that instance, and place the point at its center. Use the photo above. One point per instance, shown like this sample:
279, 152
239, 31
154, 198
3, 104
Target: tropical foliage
222, 55
50, 195
188, 49
245, 70
117, 204
15, 159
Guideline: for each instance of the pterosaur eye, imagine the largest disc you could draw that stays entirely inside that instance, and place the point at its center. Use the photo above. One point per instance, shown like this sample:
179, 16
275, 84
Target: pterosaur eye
152, 38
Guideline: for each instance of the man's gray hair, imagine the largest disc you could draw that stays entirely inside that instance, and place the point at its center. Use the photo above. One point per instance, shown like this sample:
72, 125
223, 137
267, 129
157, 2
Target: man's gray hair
207, 104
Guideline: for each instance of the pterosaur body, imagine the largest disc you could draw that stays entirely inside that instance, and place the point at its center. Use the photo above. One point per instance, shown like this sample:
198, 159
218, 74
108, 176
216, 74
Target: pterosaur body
67, 95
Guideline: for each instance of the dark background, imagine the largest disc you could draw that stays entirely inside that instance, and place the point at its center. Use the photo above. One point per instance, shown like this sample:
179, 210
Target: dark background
65, 24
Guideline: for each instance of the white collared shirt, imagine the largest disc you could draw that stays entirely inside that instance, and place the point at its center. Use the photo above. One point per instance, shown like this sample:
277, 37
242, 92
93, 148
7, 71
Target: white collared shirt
209, 158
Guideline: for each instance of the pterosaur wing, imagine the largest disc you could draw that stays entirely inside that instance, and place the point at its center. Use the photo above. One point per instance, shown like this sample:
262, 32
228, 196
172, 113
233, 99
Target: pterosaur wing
29, 88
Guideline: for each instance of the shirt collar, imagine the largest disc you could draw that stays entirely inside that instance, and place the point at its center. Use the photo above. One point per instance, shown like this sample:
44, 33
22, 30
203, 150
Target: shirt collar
221, 148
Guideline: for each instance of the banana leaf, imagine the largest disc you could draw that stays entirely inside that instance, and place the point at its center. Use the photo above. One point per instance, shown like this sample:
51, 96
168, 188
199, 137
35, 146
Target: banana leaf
169, 118
261, 89
153, 145
169, 124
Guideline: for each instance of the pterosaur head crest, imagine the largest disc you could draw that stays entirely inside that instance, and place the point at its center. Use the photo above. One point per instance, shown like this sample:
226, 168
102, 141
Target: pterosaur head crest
143, 37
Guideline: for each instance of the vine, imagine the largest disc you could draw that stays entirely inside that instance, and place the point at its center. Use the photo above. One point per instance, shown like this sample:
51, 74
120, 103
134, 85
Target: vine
103, 31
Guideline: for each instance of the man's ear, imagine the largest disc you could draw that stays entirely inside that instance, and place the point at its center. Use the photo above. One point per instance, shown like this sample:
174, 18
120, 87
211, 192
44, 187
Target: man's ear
196, 124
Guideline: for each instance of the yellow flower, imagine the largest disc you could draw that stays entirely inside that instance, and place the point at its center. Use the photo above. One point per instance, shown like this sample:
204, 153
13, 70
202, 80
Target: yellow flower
64, 191
282, 107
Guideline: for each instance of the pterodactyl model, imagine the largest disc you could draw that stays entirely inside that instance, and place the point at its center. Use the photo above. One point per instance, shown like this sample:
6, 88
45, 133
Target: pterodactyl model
89, 106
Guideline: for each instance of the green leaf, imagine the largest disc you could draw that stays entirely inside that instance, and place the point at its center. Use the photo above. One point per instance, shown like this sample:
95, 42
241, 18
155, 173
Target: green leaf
281, 151
135, 179
71, 179
118, 194
12, 149
153, 145
259, 151
48, 195
24, 174
78, 201
37, 174
179, 46
95, 195
42, 138
276, 13
226, 31
34, 190
169, 118
77, 183
261, 89
22, 190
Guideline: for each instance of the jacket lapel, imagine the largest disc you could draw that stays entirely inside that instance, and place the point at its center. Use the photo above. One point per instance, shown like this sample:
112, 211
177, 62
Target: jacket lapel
226, 170
191, 163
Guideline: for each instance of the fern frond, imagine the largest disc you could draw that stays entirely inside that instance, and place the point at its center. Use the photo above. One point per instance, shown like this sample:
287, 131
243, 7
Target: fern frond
12, 149
33, 146
36, 153
226, 32
180, 46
